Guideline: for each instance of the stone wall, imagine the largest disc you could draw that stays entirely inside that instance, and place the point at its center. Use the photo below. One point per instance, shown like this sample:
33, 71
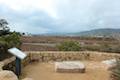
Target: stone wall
51, 56
9, 64
7, 67
46, 56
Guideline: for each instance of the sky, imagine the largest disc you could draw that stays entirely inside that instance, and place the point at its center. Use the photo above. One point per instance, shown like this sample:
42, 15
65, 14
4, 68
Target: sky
60, 16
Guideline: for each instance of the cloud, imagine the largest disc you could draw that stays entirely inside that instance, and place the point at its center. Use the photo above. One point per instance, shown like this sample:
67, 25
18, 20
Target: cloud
23, 5
46, 16
91, 13
31, 21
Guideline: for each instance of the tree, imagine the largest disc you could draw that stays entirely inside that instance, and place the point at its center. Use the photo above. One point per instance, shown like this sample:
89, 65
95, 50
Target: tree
7, 39
69, 46
4, 29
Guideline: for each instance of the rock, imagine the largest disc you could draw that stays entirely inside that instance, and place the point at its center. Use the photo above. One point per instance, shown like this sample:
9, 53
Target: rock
110, 63
70, 67
27, 79
7, 75
1, 65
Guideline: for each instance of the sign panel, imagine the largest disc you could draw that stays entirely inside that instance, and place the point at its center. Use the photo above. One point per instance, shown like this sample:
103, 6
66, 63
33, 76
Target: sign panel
18, 53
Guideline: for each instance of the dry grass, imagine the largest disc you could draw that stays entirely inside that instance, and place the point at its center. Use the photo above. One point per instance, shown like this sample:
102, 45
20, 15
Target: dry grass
45, 71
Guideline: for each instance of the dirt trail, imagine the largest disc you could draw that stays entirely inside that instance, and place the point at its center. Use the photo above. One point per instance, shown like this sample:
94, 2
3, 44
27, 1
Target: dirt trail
45, 71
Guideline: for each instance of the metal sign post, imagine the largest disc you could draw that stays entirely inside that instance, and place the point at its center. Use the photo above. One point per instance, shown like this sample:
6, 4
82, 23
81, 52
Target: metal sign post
18, 67
19, 56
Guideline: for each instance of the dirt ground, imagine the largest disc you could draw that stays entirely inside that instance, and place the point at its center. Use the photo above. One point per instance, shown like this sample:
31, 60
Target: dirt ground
46, 71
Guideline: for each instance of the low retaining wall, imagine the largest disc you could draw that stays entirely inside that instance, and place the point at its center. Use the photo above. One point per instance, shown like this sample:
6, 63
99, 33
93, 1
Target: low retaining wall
46, 56
9, 64
51, 56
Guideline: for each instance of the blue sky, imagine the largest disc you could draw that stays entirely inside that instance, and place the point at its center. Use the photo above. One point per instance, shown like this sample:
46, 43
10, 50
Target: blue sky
59, 16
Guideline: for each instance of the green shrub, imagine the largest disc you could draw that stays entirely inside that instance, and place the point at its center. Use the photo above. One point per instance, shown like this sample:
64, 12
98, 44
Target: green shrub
7, 40
69, 46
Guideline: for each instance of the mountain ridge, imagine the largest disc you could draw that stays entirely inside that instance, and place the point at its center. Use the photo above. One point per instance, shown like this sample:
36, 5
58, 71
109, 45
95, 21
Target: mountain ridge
108, 32
99, 32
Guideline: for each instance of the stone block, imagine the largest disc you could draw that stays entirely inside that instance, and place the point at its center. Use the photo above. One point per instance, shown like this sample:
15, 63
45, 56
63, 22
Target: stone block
110, 63
1, 66
7, 75
70, 67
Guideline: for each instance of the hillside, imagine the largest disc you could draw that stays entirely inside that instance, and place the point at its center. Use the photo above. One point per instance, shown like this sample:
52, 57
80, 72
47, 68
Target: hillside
107, 32
99, 32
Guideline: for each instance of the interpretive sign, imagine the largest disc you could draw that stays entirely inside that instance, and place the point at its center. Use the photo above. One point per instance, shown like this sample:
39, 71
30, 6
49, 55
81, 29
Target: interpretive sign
19, 56
18, 53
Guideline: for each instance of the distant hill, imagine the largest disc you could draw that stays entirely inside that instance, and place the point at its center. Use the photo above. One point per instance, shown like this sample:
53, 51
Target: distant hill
98, 32
107, 32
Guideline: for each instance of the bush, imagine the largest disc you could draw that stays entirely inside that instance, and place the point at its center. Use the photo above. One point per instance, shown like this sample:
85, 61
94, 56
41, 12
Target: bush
8, 41
69, 46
